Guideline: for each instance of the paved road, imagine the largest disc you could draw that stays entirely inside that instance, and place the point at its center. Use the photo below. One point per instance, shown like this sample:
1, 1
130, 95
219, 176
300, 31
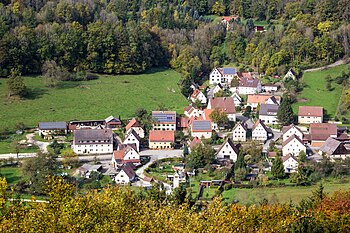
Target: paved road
154, 156
337, 63
20, 155
42, 145
276, 135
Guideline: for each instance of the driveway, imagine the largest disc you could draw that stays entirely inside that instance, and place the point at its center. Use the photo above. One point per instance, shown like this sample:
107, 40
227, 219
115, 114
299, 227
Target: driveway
276, 136
42, 145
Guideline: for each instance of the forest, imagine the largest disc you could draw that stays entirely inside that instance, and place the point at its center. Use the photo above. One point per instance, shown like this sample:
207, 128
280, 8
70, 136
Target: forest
123, 210
131, 36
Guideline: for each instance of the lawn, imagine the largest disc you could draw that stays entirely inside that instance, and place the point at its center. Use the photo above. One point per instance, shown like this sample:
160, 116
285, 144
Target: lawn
12, 174
118, 95
6, 144
315, 92
282, 194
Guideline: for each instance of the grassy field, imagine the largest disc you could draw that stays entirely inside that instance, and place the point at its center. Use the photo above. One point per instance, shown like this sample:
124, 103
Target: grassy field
12, 174
315, 92
6, 145
281, 195
118, 95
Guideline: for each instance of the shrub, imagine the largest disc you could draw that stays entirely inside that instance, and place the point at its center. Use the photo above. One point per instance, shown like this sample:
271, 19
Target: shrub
228, 186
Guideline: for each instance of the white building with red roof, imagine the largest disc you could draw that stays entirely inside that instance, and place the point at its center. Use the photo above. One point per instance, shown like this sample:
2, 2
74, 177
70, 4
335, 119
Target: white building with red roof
135, 125
125, 153
293, 145
222, 76
197, 95
249, 85
260, 132
310, 114
161, 139
239, 132
226, 104
290, 163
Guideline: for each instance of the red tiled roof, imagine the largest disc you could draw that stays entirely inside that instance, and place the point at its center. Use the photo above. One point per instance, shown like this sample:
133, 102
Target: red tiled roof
161, 136
315, 111
225, 103
132, 123
195, 93
182, 122
195, 141
261, 99
207, 113
322, 131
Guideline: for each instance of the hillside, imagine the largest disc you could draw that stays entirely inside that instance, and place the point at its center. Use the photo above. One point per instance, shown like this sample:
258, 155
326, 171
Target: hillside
118, 95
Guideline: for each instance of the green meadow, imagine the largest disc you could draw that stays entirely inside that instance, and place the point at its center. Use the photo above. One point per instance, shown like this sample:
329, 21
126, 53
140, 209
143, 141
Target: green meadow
117, 95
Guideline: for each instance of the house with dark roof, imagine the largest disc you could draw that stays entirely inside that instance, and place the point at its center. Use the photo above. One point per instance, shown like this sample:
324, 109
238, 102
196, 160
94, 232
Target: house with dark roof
164, 120
291, 130
125, 153
86, 169
126, 175
197, 95
161, 139
133, 138
227, 151
182, 124
93, 141
222, 76
310, 114
249, 85
136, 126
239, 132
49, 129
213, 90
291, 74
268, 113
293, 145
201, 129
320, 132
335, 149
290, 163
260, 132
86, 124
226, 104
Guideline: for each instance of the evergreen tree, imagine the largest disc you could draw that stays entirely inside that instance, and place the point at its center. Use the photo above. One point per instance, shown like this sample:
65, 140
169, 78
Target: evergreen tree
278, 168
16, 86
285, 113
240, 161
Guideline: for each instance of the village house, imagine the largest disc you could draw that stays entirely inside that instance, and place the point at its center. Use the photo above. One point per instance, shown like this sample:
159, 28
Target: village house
222, 76
291, 74
226, 104
201, 129
227, 19
86, 169
293, 145
87, 124
310, 114
227, 151
161, 139
195, 142
260, 132
213, 90
113, 123
198, 95
320, 132
133, 138
290, 163
93, 141
135, 125
239, 132
191, 111
49, 129
249, 85
164, 120
126, 175
125, 153
236, 99
254, 100
268, 113
291, 130
182, 124
271, 88
335, 149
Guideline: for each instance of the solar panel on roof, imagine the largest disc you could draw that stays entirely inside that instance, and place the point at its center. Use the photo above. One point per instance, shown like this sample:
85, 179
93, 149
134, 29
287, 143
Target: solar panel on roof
230, 71
161, 117
52, 125
201, 125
